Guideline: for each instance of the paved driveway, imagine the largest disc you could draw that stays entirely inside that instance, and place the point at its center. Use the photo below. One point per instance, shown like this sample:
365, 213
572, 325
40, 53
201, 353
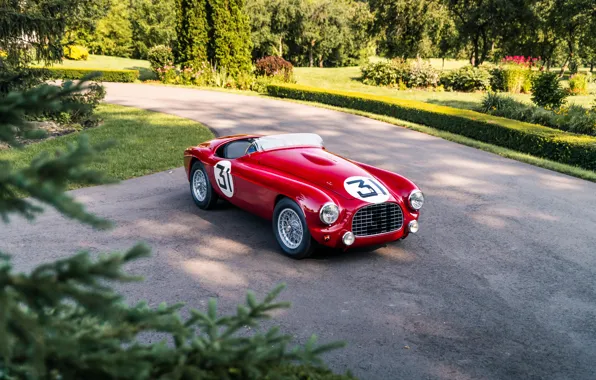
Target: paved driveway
499, 283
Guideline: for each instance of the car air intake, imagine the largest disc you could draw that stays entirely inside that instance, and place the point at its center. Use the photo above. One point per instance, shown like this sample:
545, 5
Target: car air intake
377, 219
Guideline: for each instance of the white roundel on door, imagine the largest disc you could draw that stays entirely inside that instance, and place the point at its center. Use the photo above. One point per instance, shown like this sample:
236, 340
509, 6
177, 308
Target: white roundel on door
366, 189
223, 177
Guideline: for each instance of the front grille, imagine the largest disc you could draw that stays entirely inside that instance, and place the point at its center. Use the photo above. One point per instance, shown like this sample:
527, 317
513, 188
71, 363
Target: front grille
377, 219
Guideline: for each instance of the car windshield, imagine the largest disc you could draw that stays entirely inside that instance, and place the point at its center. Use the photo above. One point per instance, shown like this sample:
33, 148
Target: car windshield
287, 140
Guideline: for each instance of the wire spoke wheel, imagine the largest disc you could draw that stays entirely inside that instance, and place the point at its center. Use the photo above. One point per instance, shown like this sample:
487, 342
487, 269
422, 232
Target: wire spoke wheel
199, 185
290, 229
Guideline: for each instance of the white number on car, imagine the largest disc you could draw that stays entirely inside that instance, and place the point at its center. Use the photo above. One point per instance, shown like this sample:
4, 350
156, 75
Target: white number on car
223, 177
366, 189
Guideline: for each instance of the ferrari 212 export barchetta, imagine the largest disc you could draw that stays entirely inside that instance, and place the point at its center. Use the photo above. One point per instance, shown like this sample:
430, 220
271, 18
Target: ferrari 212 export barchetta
311, 195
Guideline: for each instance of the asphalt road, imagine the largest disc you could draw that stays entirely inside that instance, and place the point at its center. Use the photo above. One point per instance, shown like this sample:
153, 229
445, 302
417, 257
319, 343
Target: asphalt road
499, 283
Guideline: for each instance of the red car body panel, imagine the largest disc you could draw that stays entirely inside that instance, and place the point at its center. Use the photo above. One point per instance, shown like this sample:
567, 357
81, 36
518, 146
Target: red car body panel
311, 176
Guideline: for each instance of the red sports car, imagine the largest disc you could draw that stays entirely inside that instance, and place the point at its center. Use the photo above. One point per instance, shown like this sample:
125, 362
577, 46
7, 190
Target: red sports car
311, 195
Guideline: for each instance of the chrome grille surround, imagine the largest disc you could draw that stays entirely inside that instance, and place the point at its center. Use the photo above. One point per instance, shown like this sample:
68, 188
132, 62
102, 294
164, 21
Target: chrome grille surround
377, 219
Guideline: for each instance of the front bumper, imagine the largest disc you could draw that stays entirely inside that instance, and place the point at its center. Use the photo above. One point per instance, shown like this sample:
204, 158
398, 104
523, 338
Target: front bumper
332, 236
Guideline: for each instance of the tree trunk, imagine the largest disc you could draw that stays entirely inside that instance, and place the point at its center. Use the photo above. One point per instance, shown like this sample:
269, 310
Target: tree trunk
280, 51
591, 67
476, 48
320, 60
310, 57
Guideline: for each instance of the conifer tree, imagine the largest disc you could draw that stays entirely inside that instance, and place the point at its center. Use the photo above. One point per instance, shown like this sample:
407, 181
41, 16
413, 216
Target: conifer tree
192, 30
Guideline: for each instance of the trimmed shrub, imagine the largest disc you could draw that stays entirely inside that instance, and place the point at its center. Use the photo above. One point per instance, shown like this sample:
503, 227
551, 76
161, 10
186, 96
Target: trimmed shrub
548, 92
274, 66
524, 137
386, 73
76, 53
467, 79
578, 84
106, 75
573, 118
160, 56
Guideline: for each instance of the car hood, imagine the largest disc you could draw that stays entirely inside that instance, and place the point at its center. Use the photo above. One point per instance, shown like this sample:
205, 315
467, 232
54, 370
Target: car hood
316, 166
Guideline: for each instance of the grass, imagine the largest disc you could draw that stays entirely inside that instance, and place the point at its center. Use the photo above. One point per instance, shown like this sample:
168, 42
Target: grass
115, 63
503, 152
147, 142
346, 78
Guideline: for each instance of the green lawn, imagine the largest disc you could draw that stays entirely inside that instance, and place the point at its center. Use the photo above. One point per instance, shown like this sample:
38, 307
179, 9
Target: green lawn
147, 142
346, 78
107, 62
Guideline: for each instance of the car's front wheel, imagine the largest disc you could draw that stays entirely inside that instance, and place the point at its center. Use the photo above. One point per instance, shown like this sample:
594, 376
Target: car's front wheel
291, 231
200, 187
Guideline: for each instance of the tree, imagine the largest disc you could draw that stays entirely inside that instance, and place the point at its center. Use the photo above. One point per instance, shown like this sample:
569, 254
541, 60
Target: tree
483, 23
409, 28
230, 45
192, 31
113, 33
153, 23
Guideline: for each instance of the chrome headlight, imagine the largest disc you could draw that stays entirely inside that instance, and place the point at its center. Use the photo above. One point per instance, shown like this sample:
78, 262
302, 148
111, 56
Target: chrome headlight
329, 213
416, 200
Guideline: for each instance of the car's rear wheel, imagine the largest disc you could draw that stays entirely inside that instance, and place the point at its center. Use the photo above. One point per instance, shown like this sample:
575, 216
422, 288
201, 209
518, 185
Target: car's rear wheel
291, 231
200, 187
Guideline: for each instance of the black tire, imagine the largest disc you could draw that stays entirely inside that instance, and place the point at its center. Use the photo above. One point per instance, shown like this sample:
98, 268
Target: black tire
211, 196
307, 245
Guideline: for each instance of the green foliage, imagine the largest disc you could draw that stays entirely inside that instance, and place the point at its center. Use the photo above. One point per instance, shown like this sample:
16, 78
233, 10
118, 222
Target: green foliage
547, 90
385, 73
524, 137
21, 79
36, 30
274, 66
230, 46
572, 118
74, 73
192, 31
422, 75
76, 52
153, 23
578, 84
400, 73
81, 108
411, 28
64, 320
315, 33
113, 33
512, 78
45, 180
467, 79
160, 56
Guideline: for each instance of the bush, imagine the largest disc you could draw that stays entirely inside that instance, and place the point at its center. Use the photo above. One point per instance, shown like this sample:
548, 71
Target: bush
80, 108
422, 75
400, 74
547, 90
578, 84
511, 78
385, 73
274, 66
467, 79
527, 138
160, 56
574, 118
76, 52
106, 75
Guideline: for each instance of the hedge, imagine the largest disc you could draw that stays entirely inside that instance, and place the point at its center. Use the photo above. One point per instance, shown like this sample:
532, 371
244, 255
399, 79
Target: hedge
107, 75
552, 144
